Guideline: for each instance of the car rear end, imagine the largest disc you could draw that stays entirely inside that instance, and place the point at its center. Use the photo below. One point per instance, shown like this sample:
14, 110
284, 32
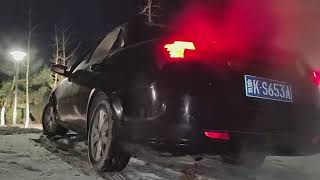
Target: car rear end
270, 98
279, 96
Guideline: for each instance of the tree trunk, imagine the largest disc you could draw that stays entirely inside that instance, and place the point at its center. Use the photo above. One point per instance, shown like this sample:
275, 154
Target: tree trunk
56, 58
14, 118
27, 120
3, 111
150, 11
63, 49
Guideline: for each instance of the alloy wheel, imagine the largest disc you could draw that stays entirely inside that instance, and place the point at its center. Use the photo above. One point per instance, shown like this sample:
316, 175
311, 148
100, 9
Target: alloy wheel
50, 119
101, 135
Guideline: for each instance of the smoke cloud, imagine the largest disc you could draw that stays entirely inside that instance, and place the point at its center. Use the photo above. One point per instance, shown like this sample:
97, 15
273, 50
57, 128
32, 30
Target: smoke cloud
299, 27
243, 25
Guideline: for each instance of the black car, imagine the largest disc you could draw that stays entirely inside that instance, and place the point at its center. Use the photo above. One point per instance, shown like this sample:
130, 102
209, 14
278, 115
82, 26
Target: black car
141, 87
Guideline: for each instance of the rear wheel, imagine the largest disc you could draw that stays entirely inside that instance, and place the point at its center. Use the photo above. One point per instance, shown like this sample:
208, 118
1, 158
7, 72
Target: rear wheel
105, 153
49, 124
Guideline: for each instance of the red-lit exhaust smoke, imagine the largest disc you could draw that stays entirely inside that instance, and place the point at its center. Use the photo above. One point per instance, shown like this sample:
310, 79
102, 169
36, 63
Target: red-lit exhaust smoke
237, 27
246, 27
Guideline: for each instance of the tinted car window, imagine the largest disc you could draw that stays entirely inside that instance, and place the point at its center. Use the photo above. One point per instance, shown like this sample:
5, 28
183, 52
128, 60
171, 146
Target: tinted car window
120, 41
105, 46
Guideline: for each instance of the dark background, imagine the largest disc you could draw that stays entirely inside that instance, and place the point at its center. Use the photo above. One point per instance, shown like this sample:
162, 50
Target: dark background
298, 25
87, 21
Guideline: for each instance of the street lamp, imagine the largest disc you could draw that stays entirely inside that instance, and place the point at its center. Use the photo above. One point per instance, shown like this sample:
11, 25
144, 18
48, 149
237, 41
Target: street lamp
17, 56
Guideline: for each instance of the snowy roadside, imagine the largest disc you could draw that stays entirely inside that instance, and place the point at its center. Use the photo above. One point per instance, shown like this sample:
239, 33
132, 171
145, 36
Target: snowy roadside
33, 156
21, 158
18, 130
147, 166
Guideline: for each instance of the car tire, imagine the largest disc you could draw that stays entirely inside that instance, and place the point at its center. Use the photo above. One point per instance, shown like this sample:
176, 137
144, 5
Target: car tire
49, 124
247, 156
104, 152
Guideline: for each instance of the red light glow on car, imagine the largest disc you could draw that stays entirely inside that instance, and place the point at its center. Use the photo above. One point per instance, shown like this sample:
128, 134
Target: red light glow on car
316, 77
177, 49
217, 135
234, 28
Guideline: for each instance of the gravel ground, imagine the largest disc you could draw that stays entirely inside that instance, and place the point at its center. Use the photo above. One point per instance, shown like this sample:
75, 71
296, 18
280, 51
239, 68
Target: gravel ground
33, 156
17, 130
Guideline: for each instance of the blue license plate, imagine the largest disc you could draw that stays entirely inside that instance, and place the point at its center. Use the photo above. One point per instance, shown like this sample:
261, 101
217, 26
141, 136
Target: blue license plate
258, 87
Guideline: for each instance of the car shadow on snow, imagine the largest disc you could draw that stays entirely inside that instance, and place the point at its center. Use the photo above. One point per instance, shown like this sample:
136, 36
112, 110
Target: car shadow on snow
72, 148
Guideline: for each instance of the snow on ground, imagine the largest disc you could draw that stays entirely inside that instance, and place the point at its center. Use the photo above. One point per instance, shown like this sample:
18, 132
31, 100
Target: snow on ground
33, 156
21, 158
17, 130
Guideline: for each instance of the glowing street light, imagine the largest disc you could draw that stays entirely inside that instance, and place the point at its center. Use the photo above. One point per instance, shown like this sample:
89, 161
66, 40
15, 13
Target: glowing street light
17, 56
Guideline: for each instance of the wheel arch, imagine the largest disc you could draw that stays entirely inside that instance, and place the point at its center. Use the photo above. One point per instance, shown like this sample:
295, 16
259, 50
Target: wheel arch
114, 101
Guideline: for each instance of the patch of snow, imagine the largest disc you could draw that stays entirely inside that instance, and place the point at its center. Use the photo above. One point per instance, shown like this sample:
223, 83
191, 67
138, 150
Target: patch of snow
135, 161
142, 175
21, 158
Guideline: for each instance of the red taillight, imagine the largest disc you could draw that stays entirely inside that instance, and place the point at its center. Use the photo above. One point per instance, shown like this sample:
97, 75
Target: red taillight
316, 77
177, 48
217, 135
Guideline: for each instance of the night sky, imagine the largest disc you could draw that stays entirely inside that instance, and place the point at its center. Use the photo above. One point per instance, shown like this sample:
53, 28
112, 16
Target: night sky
298, 27
87, 19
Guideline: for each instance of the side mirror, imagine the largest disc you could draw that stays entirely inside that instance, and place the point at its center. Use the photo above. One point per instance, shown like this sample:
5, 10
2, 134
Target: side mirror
60, 69
96, 68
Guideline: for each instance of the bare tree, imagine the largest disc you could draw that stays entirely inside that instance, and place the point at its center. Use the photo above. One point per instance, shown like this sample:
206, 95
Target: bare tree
154, 12
63, 51
56, 57
148, 10
31, 29
67, 51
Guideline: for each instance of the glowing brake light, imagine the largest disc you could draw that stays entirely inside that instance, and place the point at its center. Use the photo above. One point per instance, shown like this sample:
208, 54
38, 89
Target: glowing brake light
217, 135
177, 49
316, 77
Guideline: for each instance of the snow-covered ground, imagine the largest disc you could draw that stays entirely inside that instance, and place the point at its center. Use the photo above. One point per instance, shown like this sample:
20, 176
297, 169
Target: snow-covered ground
33, 156
21, 158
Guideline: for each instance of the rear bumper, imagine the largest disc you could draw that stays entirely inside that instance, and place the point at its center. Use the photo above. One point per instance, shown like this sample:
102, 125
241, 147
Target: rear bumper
185, 101
192, 140
180, 122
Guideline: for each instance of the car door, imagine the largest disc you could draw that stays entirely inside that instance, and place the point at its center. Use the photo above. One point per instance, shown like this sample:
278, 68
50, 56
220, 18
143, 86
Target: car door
80, 93
138, 71
69, 114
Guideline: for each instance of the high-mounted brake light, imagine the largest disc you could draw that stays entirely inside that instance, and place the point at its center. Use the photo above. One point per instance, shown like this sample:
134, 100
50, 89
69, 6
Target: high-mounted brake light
316, 77
217, 135
177, 49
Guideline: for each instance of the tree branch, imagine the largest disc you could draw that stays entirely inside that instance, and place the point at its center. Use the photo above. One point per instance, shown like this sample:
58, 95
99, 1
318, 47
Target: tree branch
73, 52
